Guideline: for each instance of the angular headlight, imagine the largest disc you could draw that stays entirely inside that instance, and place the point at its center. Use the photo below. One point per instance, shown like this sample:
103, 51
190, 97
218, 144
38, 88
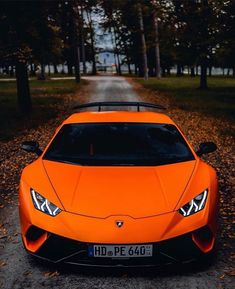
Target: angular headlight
195, 205
43, 205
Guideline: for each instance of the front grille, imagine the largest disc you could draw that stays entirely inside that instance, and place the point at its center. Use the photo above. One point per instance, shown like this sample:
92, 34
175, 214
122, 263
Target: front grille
60, 249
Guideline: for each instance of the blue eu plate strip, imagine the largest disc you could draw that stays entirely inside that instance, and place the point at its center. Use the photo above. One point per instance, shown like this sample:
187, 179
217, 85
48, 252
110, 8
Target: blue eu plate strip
90, 250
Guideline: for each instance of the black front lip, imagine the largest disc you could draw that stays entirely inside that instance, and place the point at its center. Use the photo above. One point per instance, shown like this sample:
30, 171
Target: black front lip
58, 249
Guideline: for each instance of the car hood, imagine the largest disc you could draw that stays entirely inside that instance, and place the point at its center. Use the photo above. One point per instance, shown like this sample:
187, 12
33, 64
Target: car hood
104, 191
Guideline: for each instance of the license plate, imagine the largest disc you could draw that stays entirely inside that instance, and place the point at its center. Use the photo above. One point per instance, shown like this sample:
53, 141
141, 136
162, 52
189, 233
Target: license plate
120, 251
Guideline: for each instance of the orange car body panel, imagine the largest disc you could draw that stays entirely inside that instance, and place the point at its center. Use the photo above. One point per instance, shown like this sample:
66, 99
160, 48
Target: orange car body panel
81, 188
92, 198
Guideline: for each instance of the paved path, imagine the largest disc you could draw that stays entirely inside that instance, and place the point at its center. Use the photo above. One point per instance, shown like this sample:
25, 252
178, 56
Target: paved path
111, 88
20, 271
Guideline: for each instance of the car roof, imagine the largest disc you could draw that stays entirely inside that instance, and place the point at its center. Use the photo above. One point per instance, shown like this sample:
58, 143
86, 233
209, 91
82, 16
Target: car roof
118, 116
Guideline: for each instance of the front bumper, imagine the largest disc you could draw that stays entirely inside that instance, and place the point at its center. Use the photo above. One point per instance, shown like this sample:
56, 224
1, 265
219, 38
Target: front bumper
180, 249
65, 238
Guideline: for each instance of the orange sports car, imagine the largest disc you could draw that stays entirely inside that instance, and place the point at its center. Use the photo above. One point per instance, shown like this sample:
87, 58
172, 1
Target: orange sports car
118, 188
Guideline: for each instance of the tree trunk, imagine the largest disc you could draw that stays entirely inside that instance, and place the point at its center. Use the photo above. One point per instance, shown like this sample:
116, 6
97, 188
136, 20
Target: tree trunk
136, 69
119, 64
42, 73
179, 70
182, 70
119, 70
7, 69
77, 64
115, 60
144, 49
12, 71
127, 58
76, 48
210, 71
234, 71
83, 56
156, 40
23, 92
49, 69
83, 51
228, 72
203, 77
94, 70
32, 69
62, 70
129, 66
55, 68
70, 67
192, 71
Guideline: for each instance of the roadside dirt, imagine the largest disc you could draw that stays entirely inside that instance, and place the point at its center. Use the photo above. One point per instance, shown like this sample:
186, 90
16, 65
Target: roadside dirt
17, 270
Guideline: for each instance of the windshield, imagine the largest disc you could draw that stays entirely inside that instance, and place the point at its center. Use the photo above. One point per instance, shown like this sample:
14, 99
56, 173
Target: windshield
117, 144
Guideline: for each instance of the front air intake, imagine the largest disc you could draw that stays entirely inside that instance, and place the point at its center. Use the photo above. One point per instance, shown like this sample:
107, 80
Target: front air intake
34, 233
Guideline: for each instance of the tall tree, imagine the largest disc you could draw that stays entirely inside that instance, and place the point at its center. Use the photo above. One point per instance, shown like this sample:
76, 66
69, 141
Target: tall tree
28, 32
156, 32
88, 8
23, 26
76, 48
83, 50
143, 41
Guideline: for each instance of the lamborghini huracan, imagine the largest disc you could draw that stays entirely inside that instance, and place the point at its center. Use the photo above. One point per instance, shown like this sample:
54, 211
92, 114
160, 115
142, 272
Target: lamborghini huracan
118, 188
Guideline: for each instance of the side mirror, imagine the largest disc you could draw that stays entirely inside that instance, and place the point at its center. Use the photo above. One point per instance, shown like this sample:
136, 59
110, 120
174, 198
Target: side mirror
31, 147
206, 147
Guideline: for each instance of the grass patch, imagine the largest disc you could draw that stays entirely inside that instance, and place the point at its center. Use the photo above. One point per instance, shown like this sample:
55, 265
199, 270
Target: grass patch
183, 92
47, 100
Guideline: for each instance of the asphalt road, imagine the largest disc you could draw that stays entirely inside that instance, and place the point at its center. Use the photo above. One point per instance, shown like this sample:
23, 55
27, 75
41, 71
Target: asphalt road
18, 270
111, 88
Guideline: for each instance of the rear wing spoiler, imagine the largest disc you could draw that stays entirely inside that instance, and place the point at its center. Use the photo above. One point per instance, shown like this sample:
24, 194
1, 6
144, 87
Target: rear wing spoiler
119, 103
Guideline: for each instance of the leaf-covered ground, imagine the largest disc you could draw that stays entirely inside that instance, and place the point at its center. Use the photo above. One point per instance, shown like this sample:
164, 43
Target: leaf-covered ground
19, 271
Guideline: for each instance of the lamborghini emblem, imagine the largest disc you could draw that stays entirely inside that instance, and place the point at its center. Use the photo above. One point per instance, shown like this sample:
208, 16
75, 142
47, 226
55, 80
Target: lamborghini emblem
119, 224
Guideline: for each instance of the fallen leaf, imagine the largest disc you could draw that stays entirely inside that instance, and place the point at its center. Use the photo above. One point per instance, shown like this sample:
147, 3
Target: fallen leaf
27, 273
51, 274
231, 273
2, 263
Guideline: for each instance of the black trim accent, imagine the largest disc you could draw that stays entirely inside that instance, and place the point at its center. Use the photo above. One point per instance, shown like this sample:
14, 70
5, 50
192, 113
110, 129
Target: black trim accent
119, 103
58, 249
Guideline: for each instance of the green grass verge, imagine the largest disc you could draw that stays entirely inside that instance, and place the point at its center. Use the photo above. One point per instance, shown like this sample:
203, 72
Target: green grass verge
47, 99
218, 100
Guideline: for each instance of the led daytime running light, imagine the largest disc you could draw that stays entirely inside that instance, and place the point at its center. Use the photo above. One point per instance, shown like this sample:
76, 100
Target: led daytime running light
43, 205
195, 205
